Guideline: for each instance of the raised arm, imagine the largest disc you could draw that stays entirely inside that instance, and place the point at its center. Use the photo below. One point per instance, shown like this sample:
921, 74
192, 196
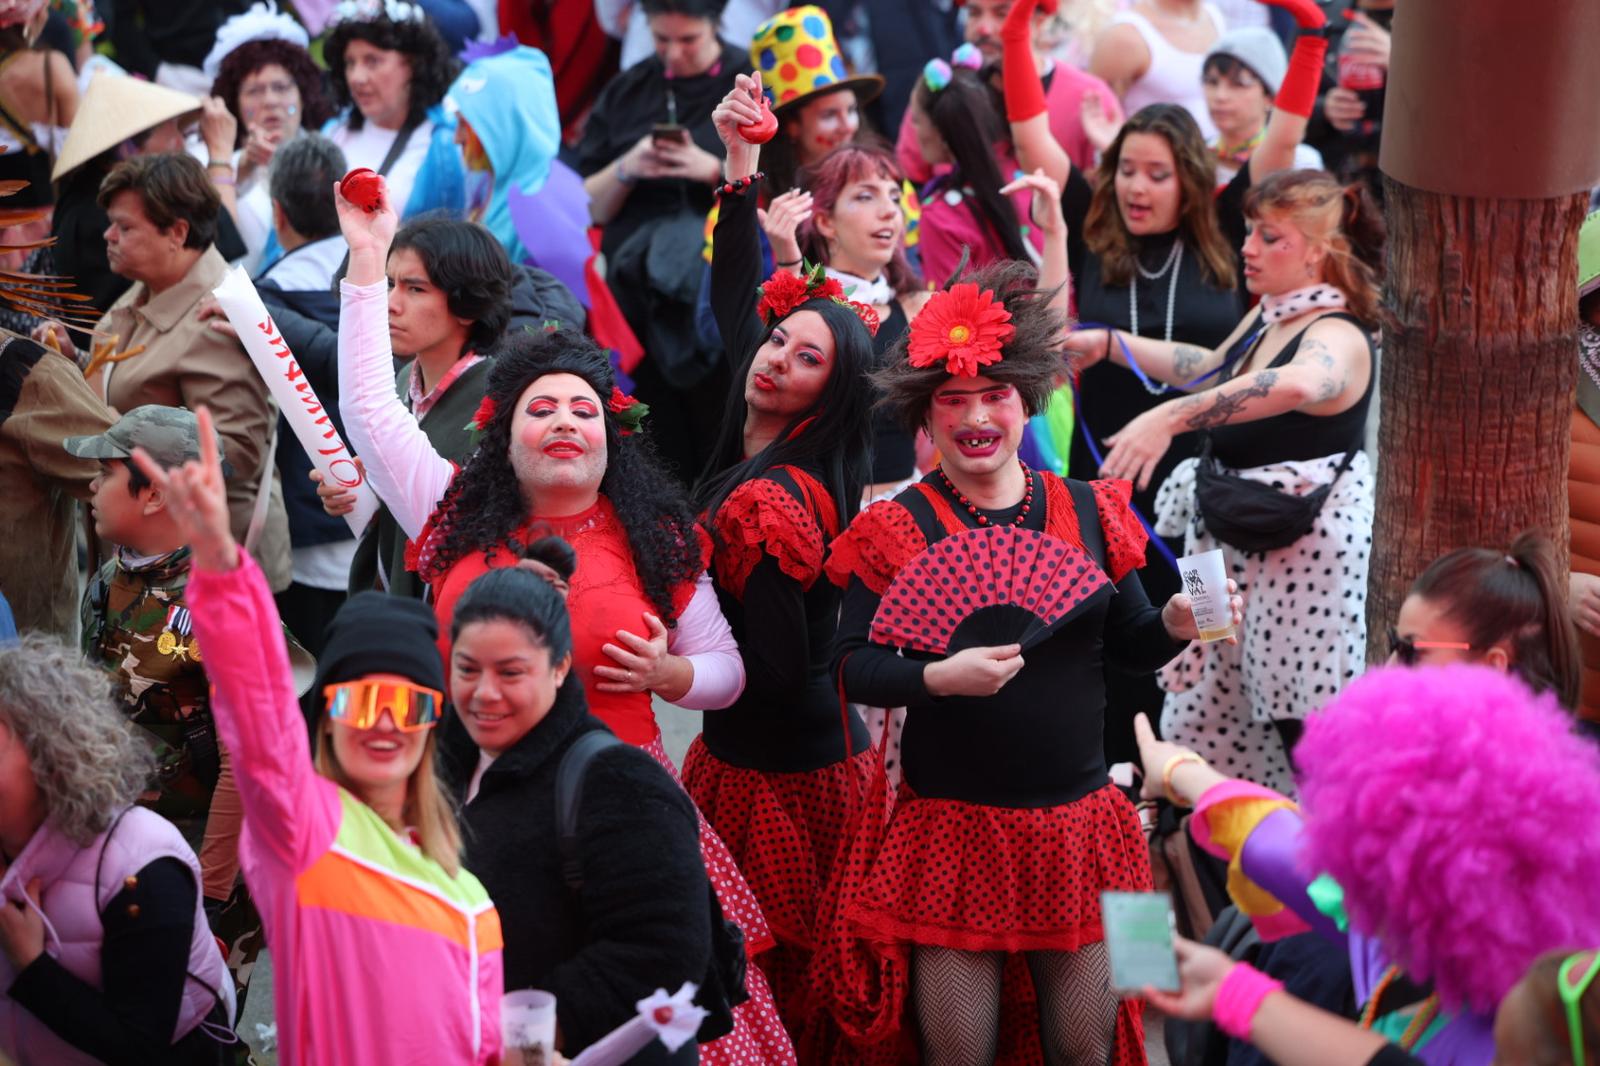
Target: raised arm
291, 813
1297, 96
1036, 147
735, 246
405, 470
1044, 209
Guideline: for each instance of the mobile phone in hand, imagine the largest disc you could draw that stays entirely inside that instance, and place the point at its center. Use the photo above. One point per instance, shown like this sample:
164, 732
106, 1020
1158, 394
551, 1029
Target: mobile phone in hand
1139, 929
668, 133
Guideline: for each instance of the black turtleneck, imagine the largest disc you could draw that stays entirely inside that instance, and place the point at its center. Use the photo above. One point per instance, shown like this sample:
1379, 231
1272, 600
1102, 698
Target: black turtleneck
640, 921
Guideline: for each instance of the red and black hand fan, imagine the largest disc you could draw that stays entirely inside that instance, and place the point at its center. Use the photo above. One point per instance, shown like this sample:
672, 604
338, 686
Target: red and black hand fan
986, 587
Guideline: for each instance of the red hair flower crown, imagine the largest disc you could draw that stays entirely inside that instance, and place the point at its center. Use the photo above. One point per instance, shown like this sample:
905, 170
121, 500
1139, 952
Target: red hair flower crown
962, 327
628, 411
783, 292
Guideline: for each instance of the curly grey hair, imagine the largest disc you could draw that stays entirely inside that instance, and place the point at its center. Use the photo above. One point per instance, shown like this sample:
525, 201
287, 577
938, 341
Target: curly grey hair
87, 760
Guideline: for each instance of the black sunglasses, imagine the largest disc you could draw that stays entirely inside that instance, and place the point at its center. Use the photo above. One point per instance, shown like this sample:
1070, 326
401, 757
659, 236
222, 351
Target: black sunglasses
1404, 649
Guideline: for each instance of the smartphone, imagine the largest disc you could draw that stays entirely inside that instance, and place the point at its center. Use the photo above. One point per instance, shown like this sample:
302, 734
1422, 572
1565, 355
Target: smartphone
1139, 928
664, 132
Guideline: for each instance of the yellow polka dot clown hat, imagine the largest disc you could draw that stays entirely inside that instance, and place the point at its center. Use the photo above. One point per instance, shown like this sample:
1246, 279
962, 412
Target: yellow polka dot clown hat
799, 59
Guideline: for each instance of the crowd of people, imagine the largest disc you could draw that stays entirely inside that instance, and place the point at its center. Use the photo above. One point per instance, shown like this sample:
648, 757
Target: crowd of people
852, 374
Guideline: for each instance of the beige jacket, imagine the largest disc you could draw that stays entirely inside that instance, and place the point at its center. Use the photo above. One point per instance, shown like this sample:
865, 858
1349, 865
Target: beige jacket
43, 400
187, 364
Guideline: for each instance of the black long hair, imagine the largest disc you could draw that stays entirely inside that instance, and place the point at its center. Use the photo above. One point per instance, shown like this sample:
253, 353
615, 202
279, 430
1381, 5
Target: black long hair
484, 506
830, 437
511, 595
1518, 596
966, 117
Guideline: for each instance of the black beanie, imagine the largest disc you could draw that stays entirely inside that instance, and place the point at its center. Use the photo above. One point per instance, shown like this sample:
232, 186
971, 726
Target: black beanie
374, 633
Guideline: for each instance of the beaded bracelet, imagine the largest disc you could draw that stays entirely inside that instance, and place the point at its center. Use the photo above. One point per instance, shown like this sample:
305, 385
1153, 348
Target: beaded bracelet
1239, 997
739, 185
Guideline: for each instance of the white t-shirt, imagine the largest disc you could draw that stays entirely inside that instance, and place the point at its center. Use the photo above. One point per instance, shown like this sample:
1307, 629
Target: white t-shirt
1305, 158
367, 147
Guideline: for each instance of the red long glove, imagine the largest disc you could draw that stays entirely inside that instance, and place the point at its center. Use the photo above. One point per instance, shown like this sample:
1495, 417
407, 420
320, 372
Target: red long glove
1298, 93
1020, 74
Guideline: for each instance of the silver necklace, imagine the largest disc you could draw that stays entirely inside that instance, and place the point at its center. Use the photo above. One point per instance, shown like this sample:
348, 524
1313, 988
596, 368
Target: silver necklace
1173, 264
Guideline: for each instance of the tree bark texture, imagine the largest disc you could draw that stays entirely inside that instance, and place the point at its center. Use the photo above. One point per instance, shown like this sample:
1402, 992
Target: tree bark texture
1478, 371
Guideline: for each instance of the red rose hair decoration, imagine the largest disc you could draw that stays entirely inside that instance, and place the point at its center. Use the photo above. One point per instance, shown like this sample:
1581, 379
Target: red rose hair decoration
784, 292
628, 411
961, 327
483, 415
362, 187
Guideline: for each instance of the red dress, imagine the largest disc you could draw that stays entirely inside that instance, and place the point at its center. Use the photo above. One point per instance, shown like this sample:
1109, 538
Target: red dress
1005, 830
780, 774
605, 595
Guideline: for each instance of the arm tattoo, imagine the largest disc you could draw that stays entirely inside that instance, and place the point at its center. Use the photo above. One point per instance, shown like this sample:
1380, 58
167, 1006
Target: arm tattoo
1315, 353
1224, 406
1186, 358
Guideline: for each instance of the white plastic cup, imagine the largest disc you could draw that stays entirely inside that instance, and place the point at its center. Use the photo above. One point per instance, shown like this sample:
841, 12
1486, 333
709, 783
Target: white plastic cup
528, 1026
1205, 579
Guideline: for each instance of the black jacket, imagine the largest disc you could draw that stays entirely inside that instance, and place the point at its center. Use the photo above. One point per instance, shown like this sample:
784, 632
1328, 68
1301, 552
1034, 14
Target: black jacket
640, 922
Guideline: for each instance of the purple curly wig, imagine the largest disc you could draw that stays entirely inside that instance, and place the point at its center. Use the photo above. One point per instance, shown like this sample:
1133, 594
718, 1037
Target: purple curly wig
1459, 812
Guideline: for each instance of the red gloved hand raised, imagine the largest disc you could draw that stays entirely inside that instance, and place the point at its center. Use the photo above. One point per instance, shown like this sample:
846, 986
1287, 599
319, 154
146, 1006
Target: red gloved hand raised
362, 187
1307, 14
760, 132
1023, 90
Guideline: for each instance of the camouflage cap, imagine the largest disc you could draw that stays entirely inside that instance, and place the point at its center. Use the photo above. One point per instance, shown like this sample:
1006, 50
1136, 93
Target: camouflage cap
170, 434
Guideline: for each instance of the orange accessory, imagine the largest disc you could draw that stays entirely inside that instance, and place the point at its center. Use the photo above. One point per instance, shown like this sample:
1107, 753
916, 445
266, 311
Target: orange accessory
961, 327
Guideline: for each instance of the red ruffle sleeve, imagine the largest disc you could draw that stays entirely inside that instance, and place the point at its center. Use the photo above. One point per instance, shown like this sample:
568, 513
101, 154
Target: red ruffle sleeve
759, 517
880, 541
1125, 534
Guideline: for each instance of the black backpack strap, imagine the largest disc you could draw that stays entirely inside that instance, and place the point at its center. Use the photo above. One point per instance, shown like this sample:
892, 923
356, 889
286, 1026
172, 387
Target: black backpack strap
569, 795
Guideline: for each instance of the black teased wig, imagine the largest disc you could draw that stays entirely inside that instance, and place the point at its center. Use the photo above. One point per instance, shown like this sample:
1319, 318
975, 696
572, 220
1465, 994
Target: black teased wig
484, 506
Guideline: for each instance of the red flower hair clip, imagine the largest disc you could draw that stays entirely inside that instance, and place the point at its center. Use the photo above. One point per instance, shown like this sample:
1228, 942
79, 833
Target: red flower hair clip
783, 292
628, 411
482, 416
961, 327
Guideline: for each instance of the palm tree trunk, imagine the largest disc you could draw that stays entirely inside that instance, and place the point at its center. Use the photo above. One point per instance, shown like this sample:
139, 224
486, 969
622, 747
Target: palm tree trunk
1477, 379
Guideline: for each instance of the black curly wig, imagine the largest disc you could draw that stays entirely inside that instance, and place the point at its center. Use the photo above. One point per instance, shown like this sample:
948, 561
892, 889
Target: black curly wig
239, 64
484, 506
1031, 362
433, 67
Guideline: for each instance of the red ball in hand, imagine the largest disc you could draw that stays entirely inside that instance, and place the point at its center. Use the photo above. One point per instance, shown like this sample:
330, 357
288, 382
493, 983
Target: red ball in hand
762, 130
363, 187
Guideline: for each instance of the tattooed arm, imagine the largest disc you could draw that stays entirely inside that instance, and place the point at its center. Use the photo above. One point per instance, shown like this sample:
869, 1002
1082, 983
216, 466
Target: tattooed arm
1167, 361
1327, 375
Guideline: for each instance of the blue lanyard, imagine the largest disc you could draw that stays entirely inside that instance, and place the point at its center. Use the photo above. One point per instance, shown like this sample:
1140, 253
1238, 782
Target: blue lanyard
1094, 449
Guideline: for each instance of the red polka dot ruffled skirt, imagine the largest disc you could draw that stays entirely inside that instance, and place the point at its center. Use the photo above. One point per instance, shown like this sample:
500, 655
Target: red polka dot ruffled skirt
959, 875
785, 830
758, 1037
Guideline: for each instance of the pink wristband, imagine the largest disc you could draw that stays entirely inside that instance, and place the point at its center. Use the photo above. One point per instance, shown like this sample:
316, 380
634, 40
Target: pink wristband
1239, 997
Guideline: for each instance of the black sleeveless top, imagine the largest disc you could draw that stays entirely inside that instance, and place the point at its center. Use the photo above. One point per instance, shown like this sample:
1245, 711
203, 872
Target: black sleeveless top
894, 451
1293, 436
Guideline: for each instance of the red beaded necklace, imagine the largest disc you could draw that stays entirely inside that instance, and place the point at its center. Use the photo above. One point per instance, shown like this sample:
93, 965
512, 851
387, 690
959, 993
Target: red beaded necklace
972, 508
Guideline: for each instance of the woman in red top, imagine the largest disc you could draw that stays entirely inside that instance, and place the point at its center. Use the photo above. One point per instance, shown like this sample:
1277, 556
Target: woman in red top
780, 773
560, 453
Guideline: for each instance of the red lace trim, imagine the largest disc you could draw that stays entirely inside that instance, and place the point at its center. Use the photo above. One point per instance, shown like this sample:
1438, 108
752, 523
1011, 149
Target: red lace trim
684, 592
1126, 538
761, 517
880, 541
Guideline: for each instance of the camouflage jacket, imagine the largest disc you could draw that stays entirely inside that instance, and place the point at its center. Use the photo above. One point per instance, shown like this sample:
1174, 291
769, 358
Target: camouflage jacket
137, 627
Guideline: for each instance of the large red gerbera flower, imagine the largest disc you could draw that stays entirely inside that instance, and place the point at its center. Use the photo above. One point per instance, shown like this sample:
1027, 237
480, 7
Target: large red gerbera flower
961, 327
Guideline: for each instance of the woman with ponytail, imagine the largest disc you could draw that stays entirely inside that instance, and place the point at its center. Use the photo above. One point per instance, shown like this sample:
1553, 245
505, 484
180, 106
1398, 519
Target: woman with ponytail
1282, 414
958, 122
1506, 609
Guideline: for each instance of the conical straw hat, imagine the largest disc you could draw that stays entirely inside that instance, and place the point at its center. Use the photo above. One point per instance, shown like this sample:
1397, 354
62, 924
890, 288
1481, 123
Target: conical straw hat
113, 109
